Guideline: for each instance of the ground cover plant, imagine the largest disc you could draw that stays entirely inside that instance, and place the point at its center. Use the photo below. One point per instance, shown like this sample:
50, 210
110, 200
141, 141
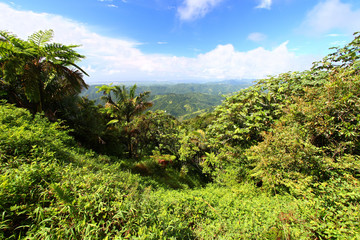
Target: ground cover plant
278, 160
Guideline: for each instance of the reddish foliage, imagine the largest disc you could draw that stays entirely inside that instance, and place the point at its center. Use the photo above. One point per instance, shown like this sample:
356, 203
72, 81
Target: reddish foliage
164, 162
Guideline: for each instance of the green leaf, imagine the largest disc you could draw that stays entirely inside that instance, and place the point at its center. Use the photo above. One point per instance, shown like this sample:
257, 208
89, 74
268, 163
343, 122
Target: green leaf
114, 121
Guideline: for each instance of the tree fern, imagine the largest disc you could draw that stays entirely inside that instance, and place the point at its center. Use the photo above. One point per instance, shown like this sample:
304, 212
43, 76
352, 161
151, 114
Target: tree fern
30, 66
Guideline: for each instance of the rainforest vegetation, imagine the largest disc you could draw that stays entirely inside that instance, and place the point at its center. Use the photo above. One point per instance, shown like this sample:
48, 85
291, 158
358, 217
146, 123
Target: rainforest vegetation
277, 160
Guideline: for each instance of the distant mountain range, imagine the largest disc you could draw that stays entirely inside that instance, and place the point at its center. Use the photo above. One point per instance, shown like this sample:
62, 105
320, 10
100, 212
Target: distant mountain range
154, 83
183, 100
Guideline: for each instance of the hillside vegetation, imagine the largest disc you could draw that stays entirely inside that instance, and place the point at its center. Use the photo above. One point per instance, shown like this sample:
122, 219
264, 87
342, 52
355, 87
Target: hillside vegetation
185, 106
216, 88
183, 101
277, 160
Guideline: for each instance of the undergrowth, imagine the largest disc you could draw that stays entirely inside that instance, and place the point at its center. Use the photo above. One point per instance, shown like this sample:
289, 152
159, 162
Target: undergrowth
50, 189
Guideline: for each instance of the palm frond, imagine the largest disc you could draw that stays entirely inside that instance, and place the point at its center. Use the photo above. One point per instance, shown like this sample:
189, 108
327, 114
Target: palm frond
132, 91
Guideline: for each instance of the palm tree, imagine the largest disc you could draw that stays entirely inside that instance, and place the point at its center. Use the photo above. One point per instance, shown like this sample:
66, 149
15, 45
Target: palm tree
35, 72
124, 105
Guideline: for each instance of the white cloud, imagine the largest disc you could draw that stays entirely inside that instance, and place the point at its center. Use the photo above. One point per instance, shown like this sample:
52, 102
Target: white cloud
162, 43
265, 4
194, 9
225, 62
331, 15
112, 6
113, 60
334, 35
256, 37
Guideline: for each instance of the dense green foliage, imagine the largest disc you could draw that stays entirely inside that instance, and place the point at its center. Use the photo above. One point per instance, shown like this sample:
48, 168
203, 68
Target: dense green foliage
50, 189
278, 160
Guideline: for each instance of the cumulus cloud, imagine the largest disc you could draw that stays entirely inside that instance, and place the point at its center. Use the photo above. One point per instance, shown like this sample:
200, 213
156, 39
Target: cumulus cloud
113, 60
331, 15
256, 37
194, 9
265, 4
225, 62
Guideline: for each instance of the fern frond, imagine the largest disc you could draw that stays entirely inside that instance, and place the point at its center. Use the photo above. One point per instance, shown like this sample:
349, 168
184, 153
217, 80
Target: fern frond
40, 38
13, 40
56, 51
6, 49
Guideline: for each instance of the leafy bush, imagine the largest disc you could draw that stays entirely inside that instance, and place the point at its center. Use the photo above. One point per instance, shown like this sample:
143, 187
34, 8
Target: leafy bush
25, 138
318, 138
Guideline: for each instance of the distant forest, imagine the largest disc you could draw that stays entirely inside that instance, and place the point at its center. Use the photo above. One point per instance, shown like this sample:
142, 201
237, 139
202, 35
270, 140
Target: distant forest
183, 100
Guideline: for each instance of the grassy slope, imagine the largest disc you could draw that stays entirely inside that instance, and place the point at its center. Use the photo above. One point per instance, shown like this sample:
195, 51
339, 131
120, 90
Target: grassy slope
51, 189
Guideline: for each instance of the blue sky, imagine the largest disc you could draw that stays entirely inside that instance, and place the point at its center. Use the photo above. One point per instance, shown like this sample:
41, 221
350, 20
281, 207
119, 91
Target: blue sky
188, 40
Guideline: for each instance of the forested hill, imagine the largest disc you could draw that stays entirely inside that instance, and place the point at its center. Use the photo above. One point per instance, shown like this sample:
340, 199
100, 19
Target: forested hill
216, 88
185, 106
184, 100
